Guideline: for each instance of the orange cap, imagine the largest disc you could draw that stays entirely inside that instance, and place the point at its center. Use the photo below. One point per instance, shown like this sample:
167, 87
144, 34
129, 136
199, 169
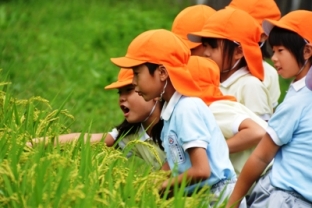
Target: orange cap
206, 74
164, 48
258, 9
191, 19
295, 21
125, 77
236, 25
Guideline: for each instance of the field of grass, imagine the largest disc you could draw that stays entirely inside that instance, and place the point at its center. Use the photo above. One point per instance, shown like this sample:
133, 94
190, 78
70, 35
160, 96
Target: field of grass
56, 56
60, 50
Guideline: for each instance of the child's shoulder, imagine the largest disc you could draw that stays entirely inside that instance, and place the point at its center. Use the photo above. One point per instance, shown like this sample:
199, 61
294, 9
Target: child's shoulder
186, 101
190, 104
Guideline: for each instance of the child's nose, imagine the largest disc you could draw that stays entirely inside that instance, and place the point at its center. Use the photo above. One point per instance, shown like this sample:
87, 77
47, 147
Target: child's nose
134, 82
274, 58
122, 98
206, 53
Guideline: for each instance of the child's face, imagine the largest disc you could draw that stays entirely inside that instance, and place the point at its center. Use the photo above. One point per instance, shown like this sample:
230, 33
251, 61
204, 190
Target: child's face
146, 85
214, 53
198, 51
284, 62
134, 107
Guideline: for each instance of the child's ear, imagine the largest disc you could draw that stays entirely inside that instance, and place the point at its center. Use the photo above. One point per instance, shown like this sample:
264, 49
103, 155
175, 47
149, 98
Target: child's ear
263, 37
156, 99
163, 73
307, 51
238, 54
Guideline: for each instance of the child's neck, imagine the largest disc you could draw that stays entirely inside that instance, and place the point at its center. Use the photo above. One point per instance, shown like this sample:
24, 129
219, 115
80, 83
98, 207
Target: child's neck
303, 73
152, 120
169, 92
225, 76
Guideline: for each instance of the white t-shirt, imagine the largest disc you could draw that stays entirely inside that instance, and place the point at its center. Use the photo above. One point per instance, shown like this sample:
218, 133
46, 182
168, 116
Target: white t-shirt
229, 115
249, 91
145, 149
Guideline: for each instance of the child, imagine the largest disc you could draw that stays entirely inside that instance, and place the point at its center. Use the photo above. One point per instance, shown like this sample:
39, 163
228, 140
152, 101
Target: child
141, 121
193, 143
231, 39
192, 19
288, 139
260, 10
241, 128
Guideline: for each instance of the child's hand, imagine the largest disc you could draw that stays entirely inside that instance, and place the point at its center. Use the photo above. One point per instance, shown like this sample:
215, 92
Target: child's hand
162, 190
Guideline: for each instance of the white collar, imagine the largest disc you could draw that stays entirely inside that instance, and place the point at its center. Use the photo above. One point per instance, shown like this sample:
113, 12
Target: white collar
235, 76
142, 134
167, 109
298, 85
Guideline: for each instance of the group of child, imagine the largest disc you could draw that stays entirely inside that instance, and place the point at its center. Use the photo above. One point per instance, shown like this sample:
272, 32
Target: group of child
204, 97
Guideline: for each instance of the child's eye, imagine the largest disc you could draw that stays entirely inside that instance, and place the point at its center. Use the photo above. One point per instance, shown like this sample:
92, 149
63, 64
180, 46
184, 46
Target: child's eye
130, 89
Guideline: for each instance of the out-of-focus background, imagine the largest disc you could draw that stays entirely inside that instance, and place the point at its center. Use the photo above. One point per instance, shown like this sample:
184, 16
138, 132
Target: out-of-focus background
284, 5
60, 49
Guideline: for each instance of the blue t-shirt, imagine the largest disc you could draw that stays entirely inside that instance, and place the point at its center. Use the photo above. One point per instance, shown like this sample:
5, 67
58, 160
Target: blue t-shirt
291, 128
188, 123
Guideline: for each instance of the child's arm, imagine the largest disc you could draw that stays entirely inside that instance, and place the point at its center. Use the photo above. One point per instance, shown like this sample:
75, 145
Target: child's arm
165, 166
66, 138
249, 135
254, 167
199, 171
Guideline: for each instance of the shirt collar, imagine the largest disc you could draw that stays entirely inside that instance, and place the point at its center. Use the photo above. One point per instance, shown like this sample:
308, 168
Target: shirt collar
235, 76
167, 109
298, 85
142, 134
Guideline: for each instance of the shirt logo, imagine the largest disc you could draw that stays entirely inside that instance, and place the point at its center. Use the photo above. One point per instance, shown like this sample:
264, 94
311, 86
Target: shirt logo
176, 150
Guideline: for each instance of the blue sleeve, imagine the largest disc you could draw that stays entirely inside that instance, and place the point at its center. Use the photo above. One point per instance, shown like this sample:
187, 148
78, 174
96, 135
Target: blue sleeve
191, 124
284, 123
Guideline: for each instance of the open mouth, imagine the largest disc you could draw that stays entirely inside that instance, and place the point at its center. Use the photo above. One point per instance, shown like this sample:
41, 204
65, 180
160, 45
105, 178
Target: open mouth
124, 109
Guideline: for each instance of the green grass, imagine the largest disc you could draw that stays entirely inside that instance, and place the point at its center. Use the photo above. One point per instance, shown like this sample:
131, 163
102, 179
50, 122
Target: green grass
60, 50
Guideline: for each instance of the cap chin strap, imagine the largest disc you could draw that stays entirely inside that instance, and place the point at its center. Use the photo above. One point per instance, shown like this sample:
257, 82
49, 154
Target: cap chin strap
236, 63
306, 61
152, 111
162, 93
160, 99
261, 44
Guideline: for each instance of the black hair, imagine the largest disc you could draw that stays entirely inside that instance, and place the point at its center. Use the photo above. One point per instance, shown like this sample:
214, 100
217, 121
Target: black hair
227, 49
156, 132
264, 51
126, 128
151, 67
290, 40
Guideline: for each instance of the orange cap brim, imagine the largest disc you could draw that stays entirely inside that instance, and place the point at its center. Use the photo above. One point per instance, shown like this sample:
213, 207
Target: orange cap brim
117, 85
126, 62
197, 36
189, 43
267, 26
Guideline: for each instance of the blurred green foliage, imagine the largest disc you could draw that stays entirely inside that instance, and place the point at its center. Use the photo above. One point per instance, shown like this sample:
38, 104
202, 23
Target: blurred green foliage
58, 49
